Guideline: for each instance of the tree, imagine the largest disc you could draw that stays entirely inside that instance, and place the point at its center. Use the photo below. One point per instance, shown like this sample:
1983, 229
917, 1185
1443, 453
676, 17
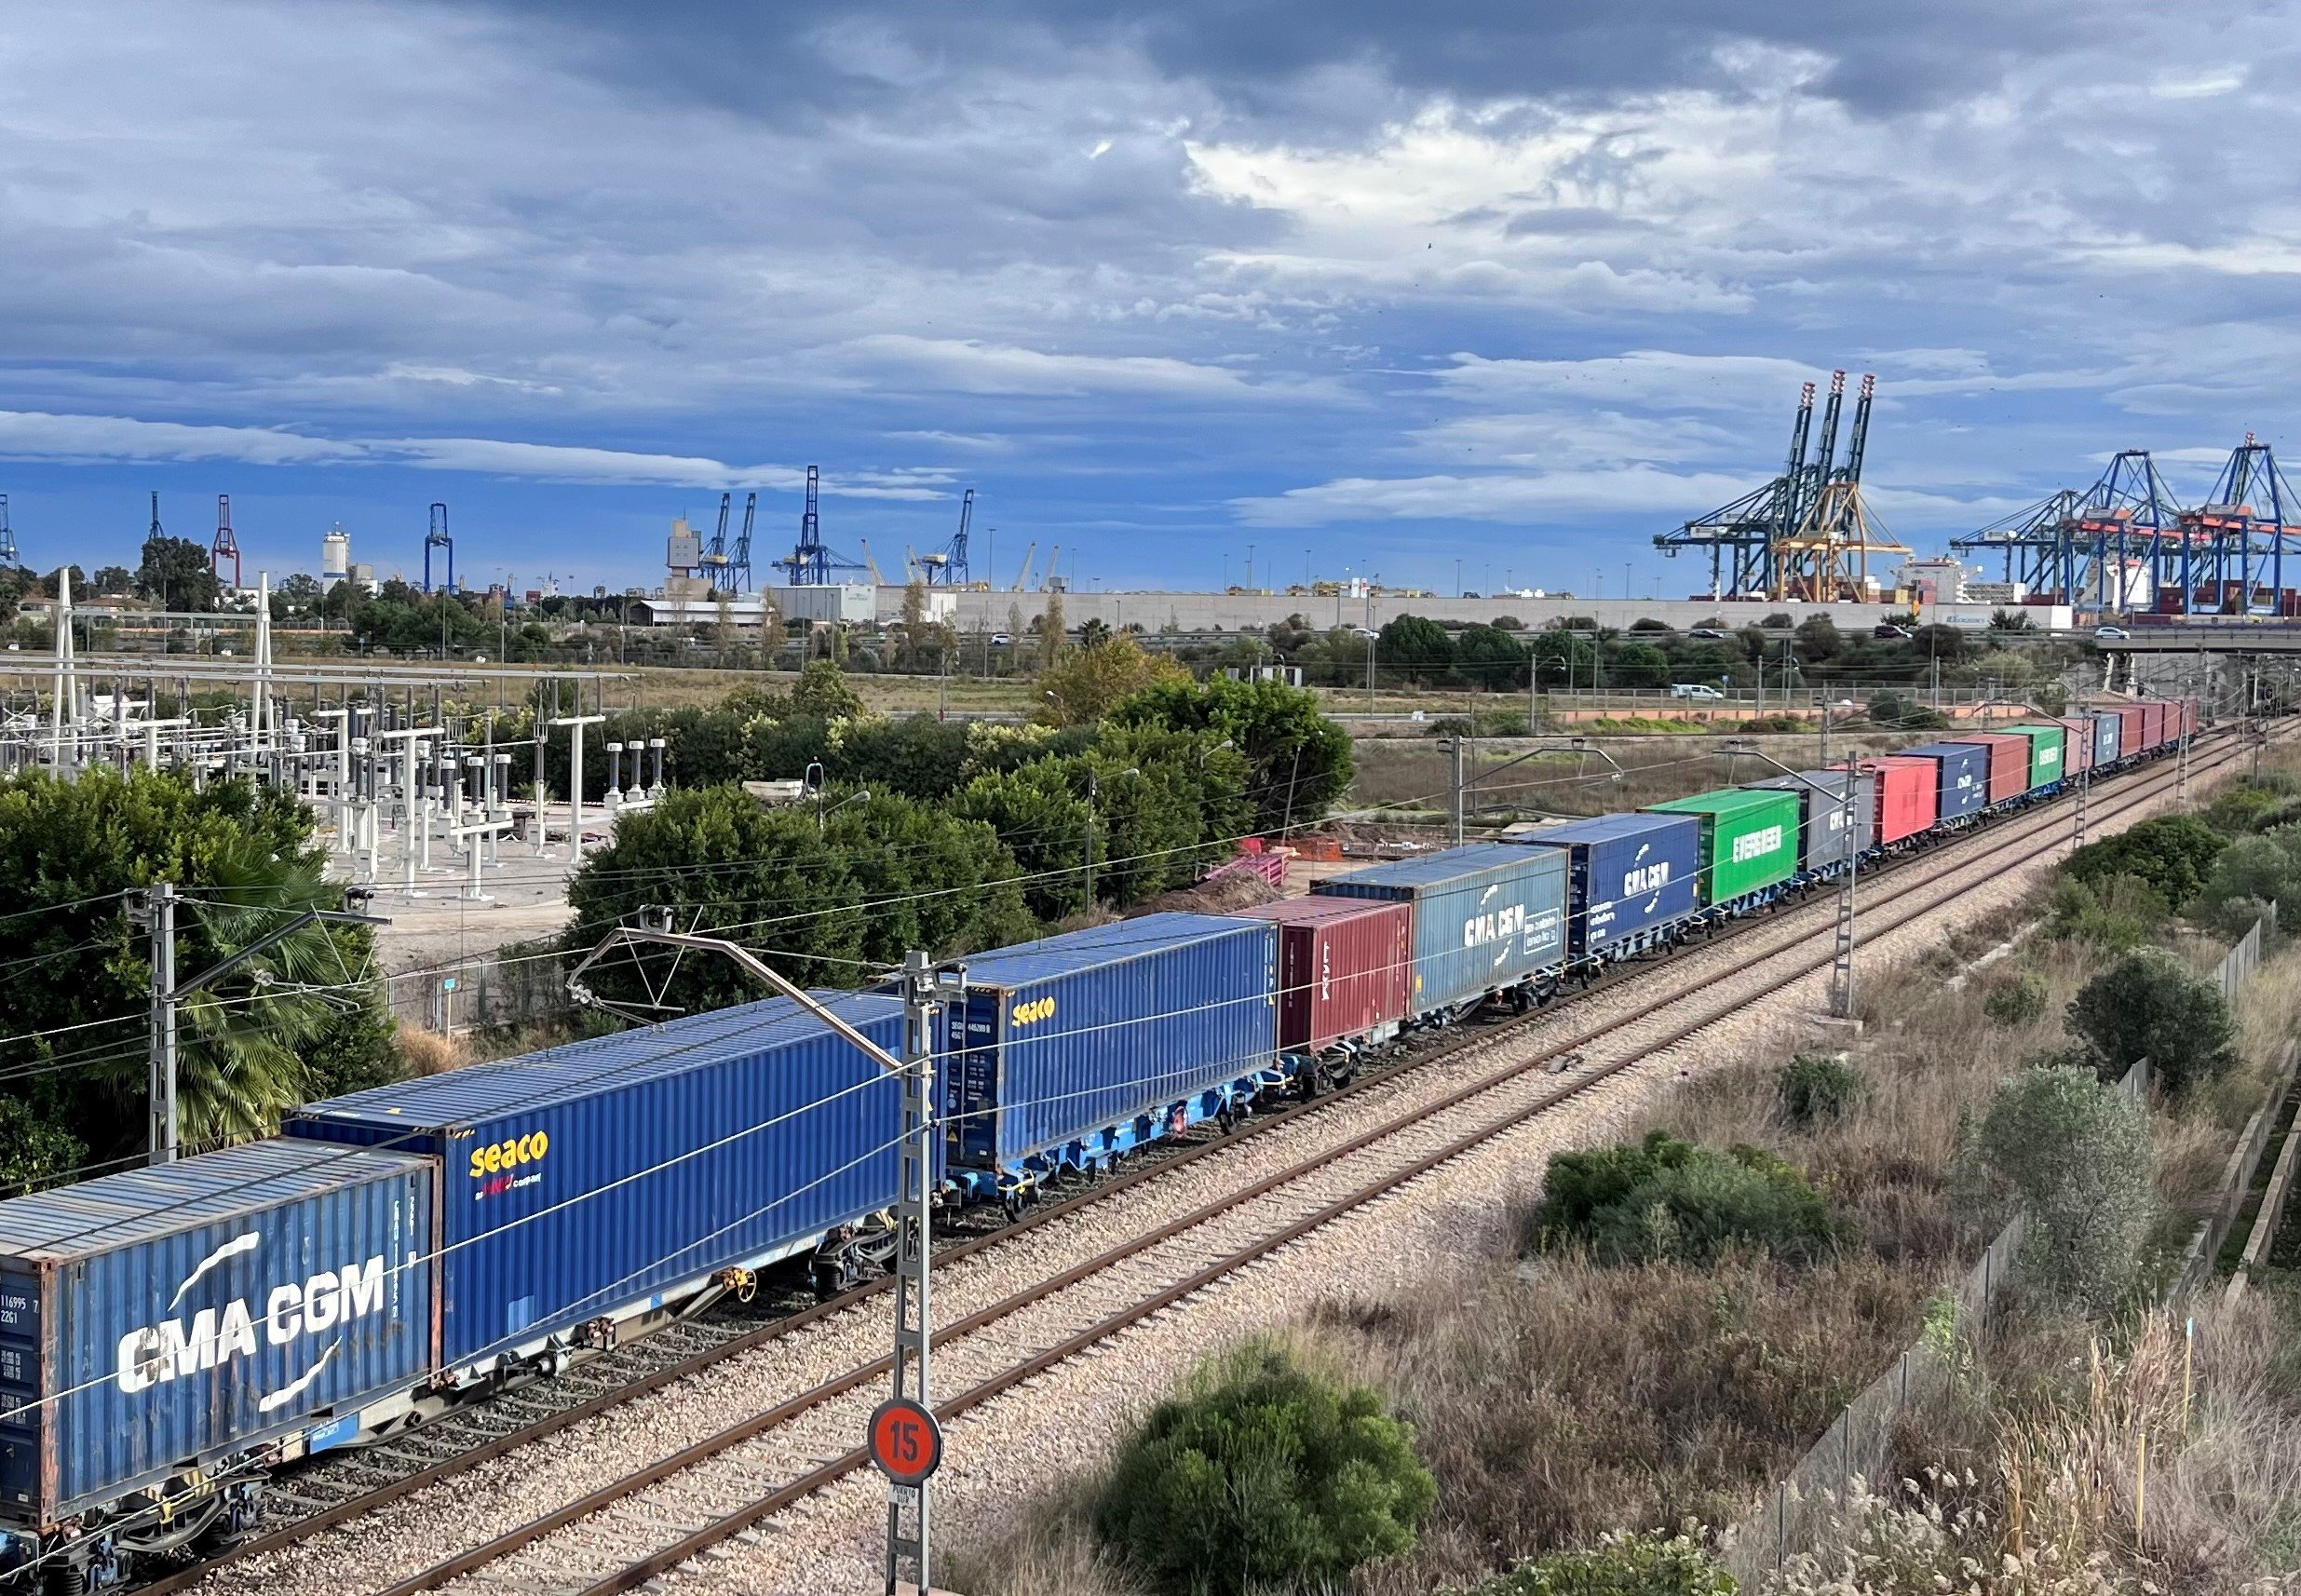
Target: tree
175, 575
1562, 660
1084, 686
1264, 1475
1051, 635
2264, 869
1298, 761
52, 583
1035, 812
1636, 665
821, 690
2075, 1153
1415, 646
2149, 1006
1818, 638
299, 595
112, 580
1490, 657
929, 880
296, 1021
2172, 855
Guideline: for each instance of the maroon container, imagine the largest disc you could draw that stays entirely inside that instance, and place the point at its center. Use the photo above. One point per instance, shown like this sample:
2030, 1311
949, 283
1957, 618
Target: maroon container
2009, 762
2154, 731
1345, 967
2129, 730
1907, 802
2078, 747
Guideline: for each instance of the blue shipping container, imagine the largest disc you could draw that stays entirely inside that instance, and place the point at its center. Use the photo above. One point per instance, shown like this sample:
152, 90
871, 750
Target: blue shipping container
618, 1172
2107, 732
1626, 874
176, 1315
1824, 839
1965, 775
1106, 1030
1486, 917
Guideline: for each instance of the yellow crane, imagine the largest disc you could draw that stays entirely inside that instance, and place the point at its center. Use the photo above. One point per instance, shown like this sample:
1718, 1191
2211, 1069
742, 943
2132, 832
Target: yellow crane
873, 565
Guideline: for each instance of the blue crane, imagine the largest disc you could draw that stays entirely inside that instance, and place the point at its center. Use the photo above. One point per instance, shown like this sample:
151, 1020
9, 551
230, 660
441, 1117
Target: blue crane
226, 545
811, 565
8, 536
739, 562
947, 567
1740, 536
437, 537
2128, 513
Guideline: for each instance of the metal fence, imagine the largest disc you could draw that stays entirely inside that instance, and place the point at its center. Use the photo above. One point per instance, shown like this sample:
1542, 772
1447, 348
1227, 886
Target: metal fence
491, 992
1859, 1445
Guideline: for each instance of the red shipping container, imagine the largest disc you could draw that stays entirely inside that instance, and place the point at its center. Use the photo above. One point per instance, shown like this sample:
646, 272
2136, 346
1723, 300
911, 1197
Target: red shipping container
2154, 731
1907, 800
2009, 762
2129, 730
1345, 967
2078, 747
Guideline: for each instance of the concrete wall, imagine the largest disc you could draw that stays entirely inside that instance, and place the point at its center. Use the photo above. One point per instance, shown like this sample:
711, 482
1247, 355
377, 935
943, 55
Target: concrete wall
1235, 612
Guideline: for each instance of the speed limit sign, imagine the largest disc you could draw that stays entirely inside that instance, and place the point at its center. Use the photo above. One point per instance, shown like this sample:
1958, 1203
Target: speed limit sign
906, 1442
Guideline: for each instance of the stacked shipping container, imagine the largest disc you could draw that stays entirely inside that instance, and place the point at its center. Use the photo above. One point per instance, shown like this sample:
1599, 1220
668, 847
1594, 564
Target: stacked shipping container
2009, 762
1626, 874
1345, 969
1486, 917
1907, 795
1749, 839
1961, 782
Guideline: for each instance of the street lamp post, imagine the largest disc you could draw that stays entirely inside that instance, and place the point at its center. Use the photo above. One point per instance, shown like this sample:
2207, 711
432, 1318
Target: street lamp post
1842, 971
1841, 704
1460, 784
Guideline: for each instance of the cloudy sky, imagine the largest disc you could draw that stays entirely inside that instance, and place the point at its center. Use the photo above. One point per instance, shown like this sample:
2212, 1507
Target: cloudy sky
1359, 285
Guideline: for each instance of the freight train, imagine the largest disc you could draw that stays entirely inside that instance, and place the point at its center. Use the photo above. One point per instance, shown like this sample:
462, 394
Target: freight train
169, 1335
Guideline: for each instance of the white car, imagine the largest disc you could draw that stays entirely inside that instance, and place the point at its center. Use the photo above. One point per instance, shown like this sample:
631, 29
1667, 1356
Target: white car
1694, 690
2111, 634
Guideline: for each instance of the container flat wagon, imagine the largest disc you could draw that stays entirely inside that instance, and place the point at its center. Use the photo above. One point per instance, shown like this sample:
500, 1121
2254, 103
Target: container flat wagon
1346, 974
1490, 919
163, 1330
2046, 760
1631, 879
1067, 1052
1908, 797
1961, 781
1825, 839
1749, 842
626, 1178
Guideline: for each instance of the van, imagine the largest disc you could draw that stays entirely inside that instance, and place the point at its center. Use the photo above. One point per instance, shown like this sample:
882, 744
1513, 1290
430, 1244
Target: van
1694, 690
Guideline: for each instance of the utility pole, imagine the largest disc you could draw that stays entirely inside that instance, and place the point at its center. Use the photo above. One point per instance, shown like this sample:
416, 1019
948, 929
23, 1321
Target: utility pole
158, 912
2085, 783
1454, 747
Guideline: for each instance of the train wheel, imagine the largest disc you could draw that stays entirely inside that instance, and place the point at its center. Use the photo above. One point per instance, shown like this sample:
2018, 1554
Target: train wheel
69, 1581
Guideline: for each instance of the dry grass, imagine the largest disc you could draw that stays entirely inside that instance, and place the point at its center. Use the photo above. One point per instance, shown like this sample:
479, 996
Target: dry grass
429, 1052
1655, 768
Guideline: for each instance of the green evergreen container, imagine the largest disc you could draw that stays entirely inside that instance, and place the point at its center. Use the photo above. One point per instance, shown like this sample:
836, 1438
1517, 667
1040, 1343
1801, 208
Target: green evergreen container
1750, 838
2047, 750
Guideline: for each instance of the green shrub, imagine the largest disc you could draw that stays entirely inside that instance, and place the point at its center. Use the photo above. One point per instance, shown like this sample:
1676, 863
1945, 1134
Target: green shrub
1265, 1474
2016, 1002
2267, 868
2171, 854
1618, 1565
1815, 1087
2077, 1154
2117, 912
2148, 1004
1669, 1199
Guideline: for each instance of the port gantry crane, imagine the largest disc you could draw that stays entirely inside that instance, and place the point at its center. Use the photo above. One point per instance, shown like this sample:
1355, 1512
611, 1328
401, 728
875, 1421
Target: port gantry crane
811, 565
226, 543
715, 552
946, 567
1806, 534
8, 536
2233, 546
2073, 542
436, 536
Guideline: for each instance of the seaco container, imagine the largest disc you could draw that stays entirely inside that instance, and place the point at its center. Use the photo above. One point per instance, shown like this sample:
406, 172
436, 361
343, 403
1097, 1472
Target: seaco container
1749, 839
2108, 737
166, 1318
1486, 917
1108, 1030
2077, 743
2132, 724
1907, 794
1626, 874
1345, 967
616, 1174
1961, 778
2009, 762
1824, 838
2046, 742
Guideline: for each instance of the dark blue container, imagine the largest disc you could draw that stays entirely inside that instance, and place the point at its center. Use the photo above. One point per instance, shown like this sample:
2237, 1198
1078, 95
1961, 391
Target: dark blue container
1627, 874
616, 1175
174, 1317
1824, 839
1486, 917
1964, 785
1087, 1044
2107, 732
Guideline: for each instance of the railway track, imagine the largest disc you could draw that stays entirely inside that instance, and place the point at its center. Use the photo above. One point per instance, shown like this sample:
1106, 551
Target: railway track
727, 1478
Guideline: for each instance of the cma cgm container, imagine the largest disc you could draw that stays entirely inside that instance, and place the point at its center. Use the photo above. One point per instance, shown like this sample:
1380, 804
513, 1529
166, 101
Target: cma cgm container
1085, 1044
1961, 780
1824, 838
2132, 723
1486, 917
2009, 762
2046, 764
2108, 737
1345, 969
1749, 839
1908, 794
611, 1176
171, 1318
2077, 743
1626, 874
